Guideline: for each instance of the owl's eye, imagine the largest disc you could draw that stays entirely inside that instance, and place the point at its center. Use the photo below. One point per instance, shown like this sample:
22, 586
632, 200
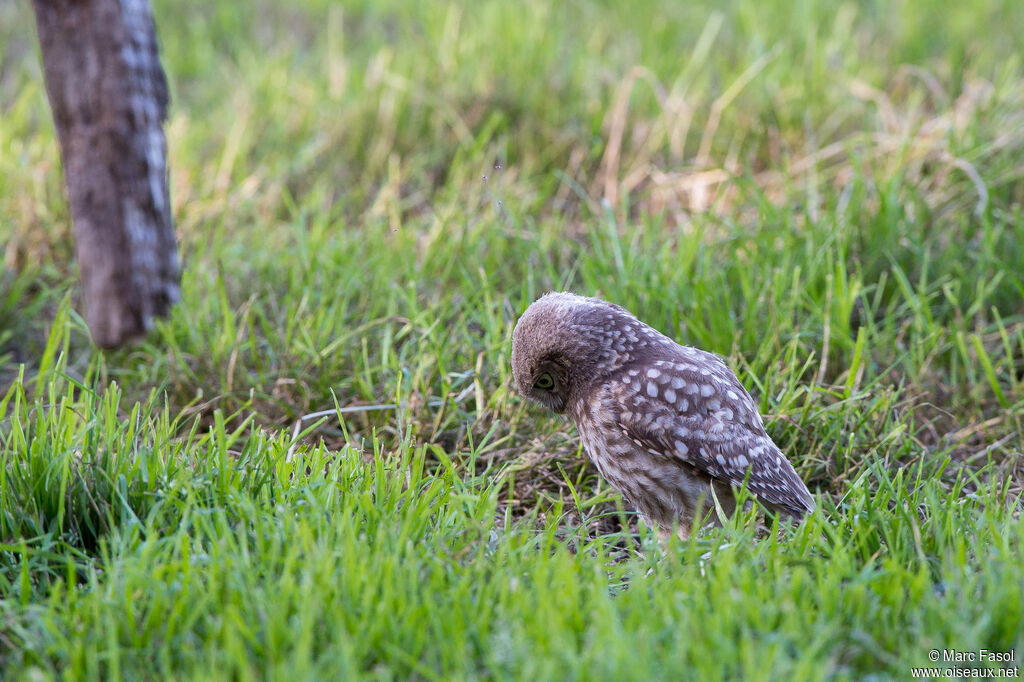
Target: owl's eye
544, 382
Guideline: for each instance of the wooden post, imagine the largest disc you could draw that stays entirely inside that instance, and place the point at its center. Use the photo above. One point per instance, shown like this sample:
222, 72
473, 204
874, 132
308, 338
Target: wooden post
109, 99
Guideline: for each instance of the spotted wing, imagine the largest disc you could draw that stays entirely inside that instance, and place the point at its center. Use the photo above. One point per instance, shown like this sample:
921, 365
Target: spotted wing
693, 409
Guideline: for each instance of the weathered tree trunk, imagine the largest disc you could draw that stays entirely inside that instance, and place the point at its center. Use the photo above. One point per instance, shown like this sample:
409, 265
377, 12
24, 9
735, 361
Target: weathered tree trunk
109, 99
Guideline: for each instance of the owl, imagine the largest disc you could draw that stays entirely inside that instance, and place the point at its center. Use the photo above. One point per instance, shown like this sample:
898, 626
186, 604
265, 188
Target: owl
668, 426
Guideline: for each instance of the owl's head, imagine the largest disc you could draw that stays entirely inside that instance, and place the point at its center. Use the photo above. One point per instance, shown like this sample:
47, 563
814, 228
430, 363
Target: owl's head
563, 344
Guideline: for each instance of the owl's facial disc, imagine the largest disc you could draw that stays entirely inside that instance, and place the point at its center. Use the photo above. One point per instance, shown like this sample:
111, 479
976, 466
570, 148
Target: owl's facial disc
549, 387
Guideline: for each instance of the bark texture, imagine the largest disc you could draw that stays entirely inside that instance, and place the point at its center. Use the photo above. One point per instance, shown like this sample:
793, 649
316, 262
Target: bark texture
109, 99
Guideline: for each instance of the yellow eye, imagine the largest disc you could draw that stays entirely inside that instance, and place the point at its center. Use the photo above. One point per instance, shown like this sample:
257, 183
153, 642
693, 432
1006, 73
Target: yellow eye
544, 382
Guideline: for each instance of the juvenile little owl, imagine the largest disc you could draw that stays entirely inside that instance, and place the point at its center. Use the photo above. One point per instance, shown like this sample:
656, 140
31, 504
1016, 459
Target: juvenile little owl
665, 424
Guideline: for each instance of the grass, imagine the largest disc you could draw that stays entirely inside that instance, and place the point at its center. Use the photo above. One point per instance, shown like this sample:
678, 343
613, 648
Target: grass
828, 194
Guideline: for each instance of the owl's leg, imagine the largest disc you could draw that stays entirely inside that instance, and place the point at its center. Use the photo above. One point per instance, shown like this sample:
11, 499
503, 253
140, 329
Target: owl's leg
682, 531
704, 511
726, 502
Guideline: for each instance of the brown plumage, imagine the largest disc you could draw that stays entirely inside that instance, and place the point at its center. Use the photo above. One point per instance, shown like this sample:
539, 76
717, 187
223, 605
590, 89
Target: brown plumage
664, 423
